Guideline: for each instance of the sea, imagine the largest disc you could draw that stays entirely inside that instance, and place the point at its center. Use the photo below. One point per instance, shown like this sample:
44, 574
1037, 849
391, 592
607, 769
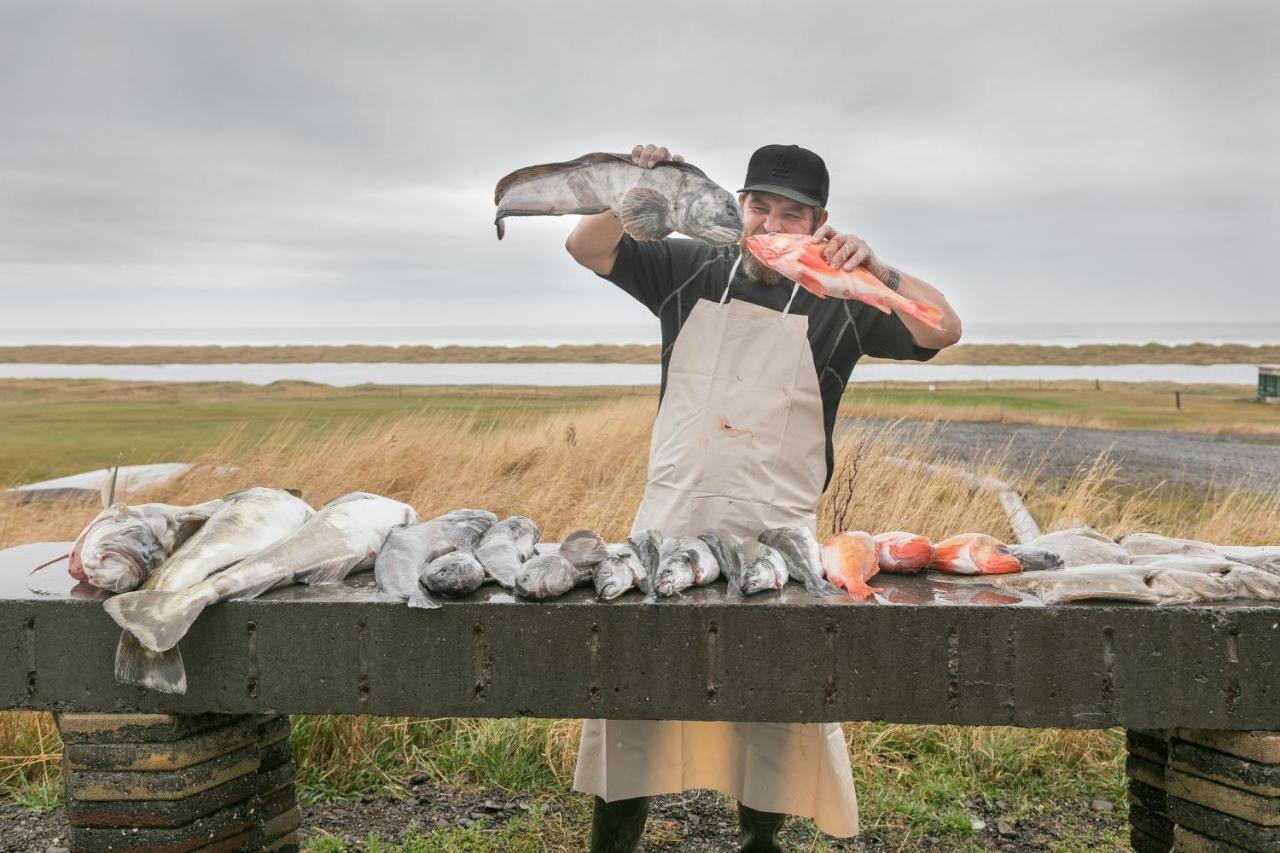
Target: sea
1061, 334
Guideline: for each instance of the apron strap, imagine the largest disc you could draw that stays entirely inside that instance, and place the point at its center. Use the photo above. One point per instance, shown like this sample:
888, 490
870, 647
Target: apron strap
795, 288
732, 271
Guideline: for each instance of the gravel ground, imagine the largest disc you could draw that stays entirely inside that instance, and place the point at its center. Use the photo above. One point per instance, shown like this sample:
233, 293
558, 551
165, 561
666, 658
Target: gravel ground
1145, 457
696, 822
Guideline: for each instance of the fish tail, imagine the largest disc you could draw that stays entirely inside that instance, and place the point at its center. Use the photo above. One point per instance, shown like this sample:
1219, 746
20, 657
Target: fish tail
158, 620
424, 601
162, 671
927, 314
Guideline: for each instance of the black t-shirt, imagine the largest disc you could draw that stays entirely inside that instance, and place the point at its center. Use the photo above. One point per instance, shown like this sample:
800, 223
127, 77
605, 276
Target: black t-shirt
670, 276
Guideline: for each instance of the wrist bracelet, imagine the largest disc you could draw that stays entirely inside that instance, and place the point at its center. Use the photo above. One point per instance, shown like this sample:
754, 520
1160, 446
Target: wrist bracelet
894, 281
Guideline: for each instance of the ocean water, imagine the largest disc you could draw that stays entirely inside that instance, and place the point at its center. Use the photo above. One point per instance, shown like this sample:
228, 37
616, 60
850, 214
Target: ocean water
1064, 334
348, 374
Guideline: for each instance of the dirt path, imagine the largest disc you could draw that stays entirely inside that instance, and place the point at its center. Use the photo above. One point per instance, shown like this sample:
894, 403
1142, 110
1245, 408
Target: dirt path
1145, 457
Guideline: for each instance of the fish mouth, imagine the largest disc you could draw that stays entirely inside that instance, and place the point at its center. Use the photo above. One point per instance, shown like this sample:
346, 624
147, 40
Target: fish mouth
720, 235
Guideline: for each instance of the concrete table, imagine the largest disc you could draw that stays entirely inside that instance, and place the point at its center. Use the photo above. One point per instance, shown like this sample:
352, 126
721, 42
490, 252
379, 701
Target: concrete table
930, 650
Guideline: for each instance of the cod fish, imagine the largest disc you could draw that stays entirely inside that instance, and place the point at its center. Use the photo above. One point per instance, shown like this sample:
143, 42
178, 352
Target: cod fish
1147, 584
123, 544
651, 203
684, 561
453, 575
974, 554
549, 576
902, 553
800, 259
505, 546
343, 537
760, 568
621, 571
849, 560
246, 522
1260, 556
1035, 559
803, 555
1081, 546
410, 548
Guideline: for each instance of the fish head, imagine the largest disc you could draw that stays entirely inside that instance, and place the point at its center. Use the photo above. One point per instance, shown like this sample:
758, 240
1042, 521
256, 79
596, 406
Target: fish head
758, 576
710, 214
772, 248
118, 549
993, 557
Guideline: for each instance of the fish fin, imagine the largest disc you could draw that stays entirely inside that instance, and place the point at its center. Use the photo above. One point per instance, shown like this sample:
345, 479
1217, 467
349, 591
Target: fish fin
501, 227
811, 283
109, 487
331, 571
157, 619
161, 671
424, 600
644, 214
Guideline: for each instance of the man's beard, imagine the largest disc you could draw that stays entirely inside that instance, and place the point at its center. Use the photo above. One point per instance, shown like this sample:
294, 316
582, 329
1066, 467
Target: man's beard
756, 271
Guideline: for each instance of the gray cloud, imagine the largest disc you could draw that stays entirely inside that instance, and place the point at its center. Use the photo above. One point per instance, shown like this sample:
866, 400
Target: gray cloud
306, 164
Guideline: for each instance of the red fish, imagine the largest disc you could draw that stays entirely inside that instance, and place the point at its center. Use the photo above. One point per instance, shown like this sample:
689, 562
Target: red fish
849, 561
974, 554
903, 553
800, 259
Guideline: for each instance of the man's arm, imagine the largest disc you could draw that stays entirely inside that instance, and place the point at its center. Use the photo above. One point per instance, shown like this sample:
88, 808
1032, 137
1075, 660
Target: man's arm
593, 243
850, 252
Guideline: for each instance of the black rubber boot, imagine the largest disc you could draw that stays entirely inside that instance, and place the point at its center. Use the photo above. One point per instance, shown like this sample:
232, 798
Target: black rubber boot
759, 830
616, 827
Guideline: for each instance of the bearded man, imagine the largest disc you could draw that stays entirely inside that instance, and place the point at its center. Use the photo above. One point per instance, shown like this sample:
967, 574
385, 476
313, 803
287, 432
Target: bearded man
753, 368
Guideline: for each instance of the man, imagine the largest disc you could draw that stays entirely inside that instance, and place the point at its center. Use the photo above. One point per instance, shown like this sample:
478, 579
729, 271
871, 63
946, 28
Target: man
753, 369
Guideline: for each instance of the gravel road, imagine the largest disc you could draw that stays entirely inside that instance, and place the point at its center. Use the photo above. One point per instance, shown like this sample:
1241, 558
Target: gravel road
1145, 457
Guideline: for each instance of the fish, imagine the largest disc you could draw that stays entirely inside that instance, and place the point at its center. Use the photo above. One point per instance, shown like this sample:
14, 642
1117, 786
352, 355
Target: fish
410, 548
974, 554
505, 546
124, 543
549, 576
1035, 559
724, 546
583, 549
803, 555
1082, 546
344, 536
799, 258
453, 575
685, 561
651, 203
621, 571
902, 553
760, 568
247, 521
648, 545
1148, 584
849, 560
1266, 557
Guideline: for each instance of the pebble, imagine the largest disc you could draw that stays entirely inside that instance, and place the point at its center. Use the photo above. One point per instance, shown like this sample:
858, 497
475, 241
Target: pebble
464, 822
490, 805
1101, 805
418, 778
441, 823
56, 850
1005, 828
977, 824
476, 816
414, 802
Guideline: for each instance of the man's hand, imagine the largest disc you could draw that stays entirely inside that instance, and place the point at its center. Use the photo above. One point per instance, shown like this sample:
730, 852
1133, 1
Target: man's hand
648, 156
848, 252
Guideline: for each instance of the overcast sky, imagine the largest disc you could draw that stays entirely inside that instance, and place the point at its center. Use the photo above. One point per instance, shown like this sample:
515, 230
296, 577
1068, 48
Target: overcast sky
304, 164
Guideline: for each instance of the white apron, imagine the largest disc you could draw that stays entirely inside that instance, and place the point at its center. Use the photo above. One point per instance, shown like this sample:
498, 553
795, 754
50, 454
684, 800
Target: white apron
739, 443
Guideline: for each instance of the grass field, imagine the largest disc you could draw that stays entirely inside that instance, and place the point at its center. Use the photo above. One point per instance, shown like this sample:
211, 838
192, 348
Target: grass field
568, 459
616, 354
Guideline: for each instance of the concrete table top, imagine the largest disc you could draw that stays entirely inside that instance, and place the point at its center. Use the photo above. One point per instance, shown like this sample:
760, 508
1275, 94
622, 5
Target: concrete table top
930, 649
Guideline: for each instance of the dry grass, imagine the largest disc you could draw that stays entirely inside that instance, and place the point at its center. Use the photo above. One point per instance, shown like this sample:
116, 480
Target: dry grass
587, 469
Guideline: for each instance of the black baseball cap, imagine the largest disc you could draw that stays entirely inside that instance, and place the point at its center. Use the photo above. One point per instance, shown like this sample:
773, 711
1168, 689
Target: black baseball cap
789, 171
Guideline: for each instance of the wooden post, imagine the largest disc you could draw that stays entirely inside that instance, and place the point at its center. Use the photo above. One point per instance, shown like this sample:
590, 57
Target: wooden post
1177, 399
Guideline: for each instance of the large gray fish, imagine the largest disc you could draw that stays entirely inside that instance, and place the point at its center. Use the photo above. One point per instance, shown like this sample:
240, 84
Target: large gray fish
410, 548
650, 202
549, 576
343, 537
621, 571
505, 546
1081, 546
801, 550
1146, 584
452, 575
761, 568
1265, 557
1033, 558
246, 522
583, 548
123, 544
685, 561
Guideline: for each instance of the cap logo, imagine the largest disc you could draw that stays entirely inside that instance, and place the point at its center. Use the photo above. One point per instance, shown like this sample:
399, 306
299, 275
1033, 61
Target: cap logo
780, 168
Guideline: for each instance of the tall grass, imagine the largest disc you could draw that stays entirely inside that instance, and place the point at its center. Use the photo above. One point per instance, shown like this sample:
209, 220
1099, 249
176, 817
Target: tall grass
587, 469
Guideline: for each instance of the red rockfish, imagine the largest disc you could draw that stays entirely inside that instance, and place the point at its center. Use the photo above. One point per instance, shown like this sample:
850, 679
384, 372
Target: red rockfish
849, 561
800, 259
974, 554
902, 553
